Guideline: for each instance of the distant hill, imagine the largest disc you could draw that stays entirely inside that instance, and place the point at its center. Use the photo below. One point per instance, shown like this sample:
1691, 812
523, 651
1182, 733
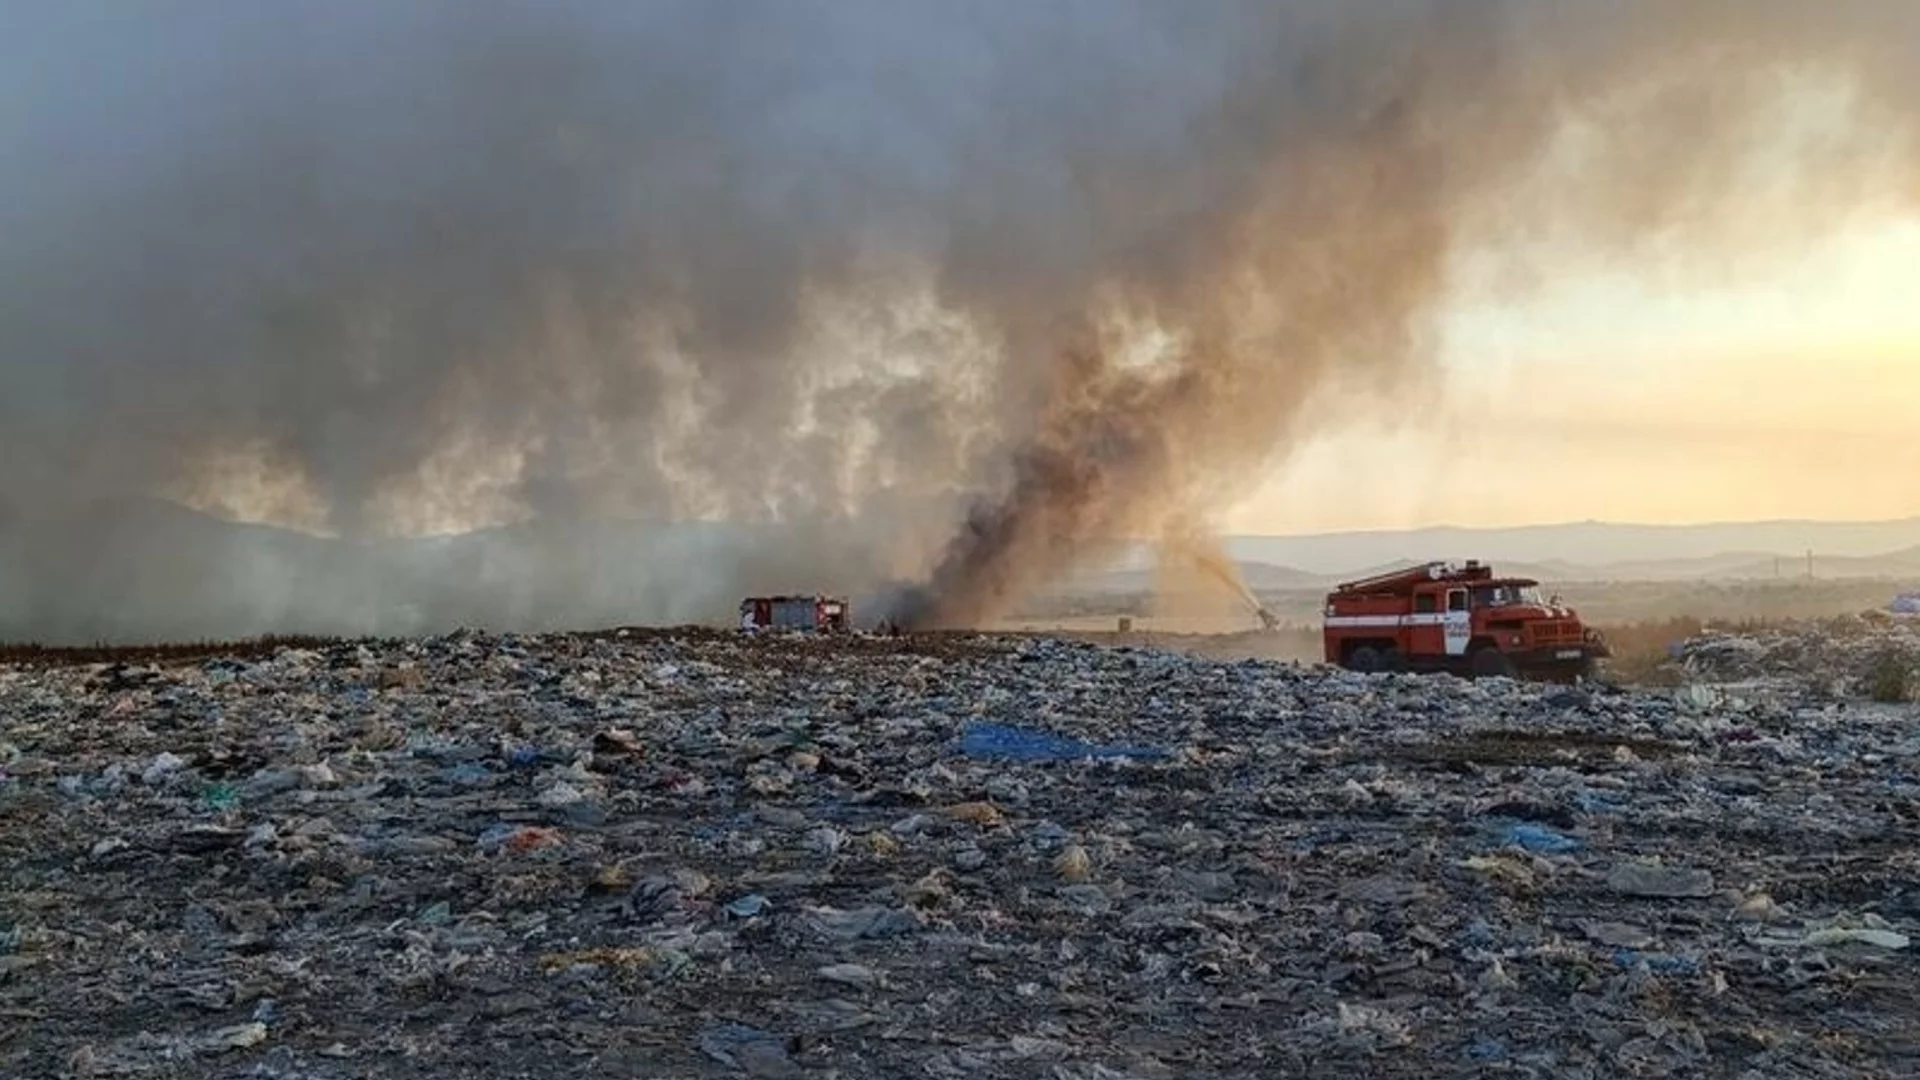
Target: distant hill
1897, 564
143, 569
1505, 568
1556, 554
1133, 577
1659, 550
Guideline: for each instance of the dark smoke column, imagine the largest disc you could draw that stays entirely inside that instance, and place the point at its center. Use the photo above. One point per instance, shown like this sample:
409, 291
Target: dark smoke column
813, 293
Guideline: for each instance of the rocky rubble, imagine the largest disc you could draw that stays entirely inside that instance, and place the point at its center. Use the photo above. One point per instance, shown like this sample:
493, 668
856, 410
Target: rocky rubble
710, 855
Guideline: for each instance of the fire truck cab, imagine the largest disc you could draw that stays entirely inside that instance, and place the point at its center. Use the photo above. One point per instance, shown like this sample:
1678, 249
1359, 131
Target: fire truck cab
1459, 619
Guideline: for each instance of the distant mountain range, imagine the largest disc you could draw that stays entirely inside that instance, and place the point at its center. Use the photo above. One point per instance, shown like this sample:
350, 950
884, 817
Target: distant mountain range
1580, 552
1746, 548
144, 569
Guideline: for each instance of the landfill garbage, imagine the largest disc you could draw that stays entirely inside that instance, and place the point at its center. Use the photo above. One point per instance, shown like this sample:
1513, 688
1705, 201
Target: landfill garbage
1837, 935
220, 797
1027, 744
162, 767
746, 907
864, 923
850, 974
1659, 963
702, 854
1620, 935
1539, 838
1641, 879
1074, 865
238, 1037
1486, 1048
1835, 656
753, 1052
1871, 930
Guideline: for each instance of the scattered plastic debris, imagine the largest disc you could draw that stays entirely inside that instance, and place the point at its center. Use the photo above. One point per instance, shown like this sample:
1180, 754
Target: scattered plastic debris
1486, 1048
1540, 839
1658, 963
1838, 655
850, 974
680, 853
220, 797
752, 1051
1838, 935
1869, 930
746, 907
1666, 882
1620, 935
1026, 744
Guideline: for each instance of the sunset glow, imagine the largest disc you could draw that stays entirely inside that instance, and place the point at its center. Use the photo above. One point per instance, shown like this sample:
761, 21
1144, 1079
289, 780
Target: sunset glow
1607, 398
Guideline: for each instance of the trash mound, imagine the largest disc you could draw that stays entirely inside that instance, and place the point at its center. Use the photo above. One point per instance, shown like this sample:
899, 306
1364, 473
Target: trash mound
1847, 654
34, 655
711, 855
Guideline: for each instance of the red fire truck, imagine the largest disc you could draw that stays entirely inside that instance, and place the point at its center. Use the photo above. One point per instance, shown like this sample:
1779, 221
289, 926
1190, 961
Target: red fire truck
1460, 619
826, 614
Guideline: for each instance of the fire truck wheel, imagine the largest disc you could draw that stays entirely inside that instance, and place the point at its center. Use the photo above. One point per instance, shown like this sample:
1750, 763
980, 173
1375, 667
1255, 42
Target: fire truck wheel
1365, 659
1392, 660
1490, 662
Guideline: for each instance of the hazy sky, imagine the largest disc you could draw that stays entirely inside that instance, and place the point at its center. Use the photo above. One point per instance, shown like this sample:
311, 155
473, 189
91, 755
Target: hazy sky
923, 292
299, 167
1793, 393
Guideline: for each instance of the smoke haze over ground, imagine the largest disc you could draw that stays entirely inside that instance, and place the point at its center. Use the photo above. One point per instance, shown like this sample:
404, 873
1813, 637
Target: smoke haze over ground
938, 293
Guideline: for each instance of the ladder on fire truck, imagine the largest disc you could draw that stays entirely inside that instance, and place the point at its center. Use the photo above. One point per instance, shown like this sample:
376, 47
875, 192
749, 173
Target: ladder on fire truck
1399, 580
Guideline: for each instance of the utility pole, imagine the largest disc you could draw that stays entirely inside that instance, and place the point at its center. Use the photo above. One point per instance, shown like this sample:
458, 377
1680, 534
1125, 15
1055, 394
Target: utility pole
1809, 564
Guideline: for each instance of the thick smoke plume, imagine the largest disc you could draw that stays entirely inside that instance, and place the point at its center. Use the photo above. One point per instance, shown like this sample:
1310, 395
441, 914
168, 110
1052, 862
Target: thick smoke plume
874, 290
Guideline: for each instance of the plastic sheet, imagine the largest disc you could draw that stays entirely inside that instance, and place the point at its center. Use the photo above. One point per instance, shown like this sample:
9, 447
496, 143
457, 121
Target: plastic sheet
1029, 744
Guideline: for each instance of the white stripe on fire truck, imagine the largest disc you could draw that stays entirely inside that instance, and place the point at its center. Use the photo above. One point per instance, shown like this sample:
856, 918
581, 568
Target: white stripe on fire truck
1386, 620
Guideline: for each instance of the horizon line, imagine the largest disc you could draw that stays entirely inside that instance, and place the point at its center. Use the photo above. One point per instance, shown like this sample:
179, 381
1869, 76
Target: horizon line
1331, 533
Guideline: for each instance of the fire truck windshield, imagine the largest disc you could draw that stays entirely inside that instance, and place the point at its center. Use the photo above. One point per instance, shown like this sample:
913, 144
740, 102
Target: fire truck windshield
1506, 595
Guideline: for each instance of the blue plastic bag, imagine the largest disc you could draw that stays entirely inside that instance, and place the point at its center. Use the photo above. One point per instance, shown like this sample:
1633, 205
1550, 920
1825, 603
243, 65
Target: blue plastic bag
1541, 840
1007, 742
